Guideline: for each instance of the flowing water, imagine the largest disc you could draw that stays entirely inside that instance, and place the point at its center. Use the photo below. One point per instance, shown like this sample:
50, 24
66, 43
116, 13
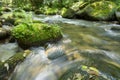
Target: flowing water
88, 51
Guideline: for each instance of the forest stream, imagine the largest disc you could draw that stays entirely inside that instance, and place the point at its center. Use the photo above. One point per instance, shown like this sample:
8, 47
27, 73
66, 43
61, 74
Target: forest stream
89, 50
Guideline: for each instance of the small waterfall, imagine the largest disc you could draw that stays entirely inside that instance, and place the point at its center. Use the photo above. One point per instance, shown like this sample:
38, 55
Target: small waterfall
7, 50
34, 63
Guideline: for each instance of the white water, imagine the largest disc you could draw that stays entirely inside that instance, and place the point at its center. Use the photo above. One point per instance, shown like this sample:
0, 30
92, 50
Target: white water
85, 43
7, 50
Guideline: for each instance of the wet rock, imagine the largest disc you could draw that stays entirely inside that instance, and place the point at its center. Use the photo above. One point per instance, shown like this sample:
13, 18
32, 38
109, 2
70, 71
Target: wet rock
38, 12
3, 33
8, 66
9, 21
27, 8
55, 52
0, 24
81, 72
115, 28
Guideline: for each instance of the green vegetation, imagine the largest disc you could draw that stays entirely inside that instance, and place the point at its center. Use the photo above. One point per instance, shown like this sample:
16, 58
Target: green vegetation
102, 10
33, 33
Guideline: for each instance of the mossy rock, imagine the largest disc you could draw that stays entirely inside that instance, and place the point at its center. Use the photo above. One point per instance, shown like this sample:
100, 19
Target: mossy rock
67, 13
35, 34
7, 20
19, 13
51, 11
38, 11
3, 33
8, 66
81, 72
28, 7
10, 18
101, 10
16, 17
46, 10
6, 9
79, 5
74, 10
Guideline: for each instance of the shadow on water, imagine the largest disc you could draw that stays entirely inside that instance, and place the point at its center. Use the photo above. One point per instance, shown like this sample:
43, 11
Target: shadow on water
88, 51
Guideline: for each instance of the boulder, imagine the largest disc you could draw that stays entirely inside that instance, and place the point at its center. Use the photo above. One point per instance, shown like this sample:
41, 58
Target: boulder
7, 19
67, 13
16, 17
101, 10
35, 34
3, 33
95, 10
55, 52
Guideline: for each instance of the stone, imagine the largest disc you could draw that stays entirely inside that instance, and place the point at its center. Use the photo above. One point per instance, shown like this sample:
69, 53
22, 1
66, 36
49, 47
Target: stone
3, 33
36, 34
101, 10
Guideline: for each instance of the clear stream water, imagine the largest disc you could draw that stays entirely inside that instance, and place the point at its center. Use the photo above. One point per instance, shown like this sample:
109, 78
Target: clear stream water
84, 44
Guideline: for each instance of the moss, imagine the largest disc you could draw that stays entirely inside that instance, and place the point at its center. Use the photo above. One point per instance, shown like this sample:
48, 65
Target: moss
79, 5
118, 8
67, 13
51, 11
102, 10
81, 72
21, 16
17, 16
34, 33
47, 10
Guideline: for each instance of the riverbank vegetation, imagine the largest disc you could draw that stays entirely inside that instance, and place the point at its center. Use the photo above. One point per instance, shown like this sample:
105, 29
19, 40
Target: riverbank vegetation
82, 9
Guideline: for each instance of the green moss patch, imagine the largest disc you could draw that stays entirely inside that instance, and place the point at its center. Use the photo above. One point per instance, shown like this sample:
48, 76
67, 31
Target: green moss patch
36, 33
102, 10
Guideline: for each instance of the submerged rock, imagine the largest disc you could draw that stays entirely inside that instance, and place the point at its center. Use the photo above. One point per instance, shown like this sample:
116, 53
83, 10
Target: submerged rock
55, 52
82, 72
115, 28
36, 34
